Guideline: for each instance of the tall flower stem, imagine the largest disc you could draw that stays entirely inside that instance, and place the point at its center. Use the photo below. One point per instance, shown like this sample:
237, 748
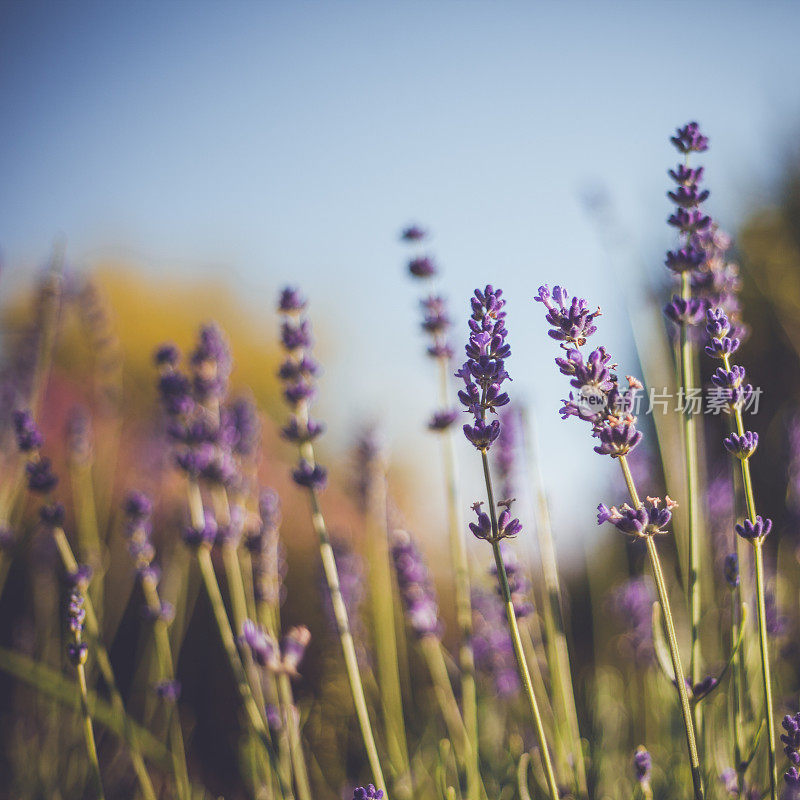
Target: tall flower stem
692, 496
92, 626
516, 641
672, 640
760, 604
291, 720
456, 531
167, 670
432, 651
345, 637
88, 733
380, 576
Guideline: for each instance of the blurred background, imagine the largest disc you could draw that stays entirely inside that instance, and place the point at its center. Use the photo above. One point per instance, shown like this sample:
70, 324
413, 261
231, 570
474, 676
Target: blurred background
185, 161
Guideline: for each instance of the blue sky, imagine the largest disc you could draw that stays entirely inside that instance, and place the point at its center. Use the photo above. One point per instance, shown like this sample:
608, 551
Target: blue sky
290, 141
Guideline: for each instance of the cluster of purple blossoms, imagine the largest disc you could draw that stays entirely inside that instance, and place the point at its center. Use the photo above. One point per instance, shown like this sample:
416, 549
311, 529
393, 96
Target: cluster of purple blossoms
507, 526
267, 653
791, 746
491, 643
207, 434
599, 399
436, 322
642, 765
77, 650
137, 509
416, 588
39, 469
367, 793
266, 551
297, 372
647, 520
484, 370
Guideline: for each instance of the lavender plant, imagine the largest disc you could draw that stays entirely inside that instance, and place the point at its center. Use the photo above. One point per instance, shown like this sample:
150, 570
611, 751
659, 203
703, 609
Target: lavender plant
608, 409
484, 374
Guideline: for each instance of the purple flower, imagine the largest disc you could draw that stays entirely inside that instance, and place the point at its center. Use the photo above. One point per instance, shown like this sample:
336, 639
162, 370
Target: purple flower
263, 648
29, 436
79, 578
689, 222
791, 738
688, 196
167, 355
441, 420
647, 520
416, 589
291, 301
137, 506
311, 476
506, 525
571, 320
302, 432
434, 320
41, 478
296, 335
685, 259
688, 139
367, 793
413, 233
77, 651
484, 371
422, 267
175, 391
741, 446
211, 363
753, 531
685, 312
293, 648
642, 765
199, 537
718, 326
52, 515
243, 419
618, 438
731, 570
168, 691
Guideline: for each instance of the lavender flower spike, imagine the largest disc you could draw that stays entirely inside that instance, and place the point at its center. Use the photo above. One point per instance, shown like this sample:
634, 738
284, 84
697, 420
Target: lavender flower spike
367, 793
484, 371
755, 531
416, 589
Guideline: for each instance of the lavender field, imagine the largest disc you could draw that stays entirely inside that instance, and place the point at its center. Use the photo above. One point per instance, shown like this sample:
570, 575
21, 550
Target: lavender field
415, 465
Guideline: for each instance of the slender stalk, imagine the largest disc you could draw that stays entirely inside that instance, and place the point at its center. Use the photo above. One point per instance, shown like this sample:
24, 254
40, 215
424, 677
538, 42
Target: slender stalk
167, 672
88, 733
106, 670
290, 718
457, 533
381, 592
672, 639
52, 683
692, 496
432, 651
519, 653
346, 639
761, 606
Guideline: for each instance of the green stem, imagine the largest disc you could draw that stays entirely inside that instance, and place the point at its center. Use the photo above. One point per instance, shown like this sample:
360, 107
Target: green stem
382, 596
672, 640
167, 672
519, 654
456, 531
290, 719
692, 494
104, 662
53, 684
88, 733
761, 606
765, 668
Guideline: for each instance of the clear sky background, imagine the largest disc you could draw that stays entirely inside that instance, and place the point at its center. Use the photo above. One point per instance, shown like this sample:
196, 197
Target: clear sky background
271, 141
